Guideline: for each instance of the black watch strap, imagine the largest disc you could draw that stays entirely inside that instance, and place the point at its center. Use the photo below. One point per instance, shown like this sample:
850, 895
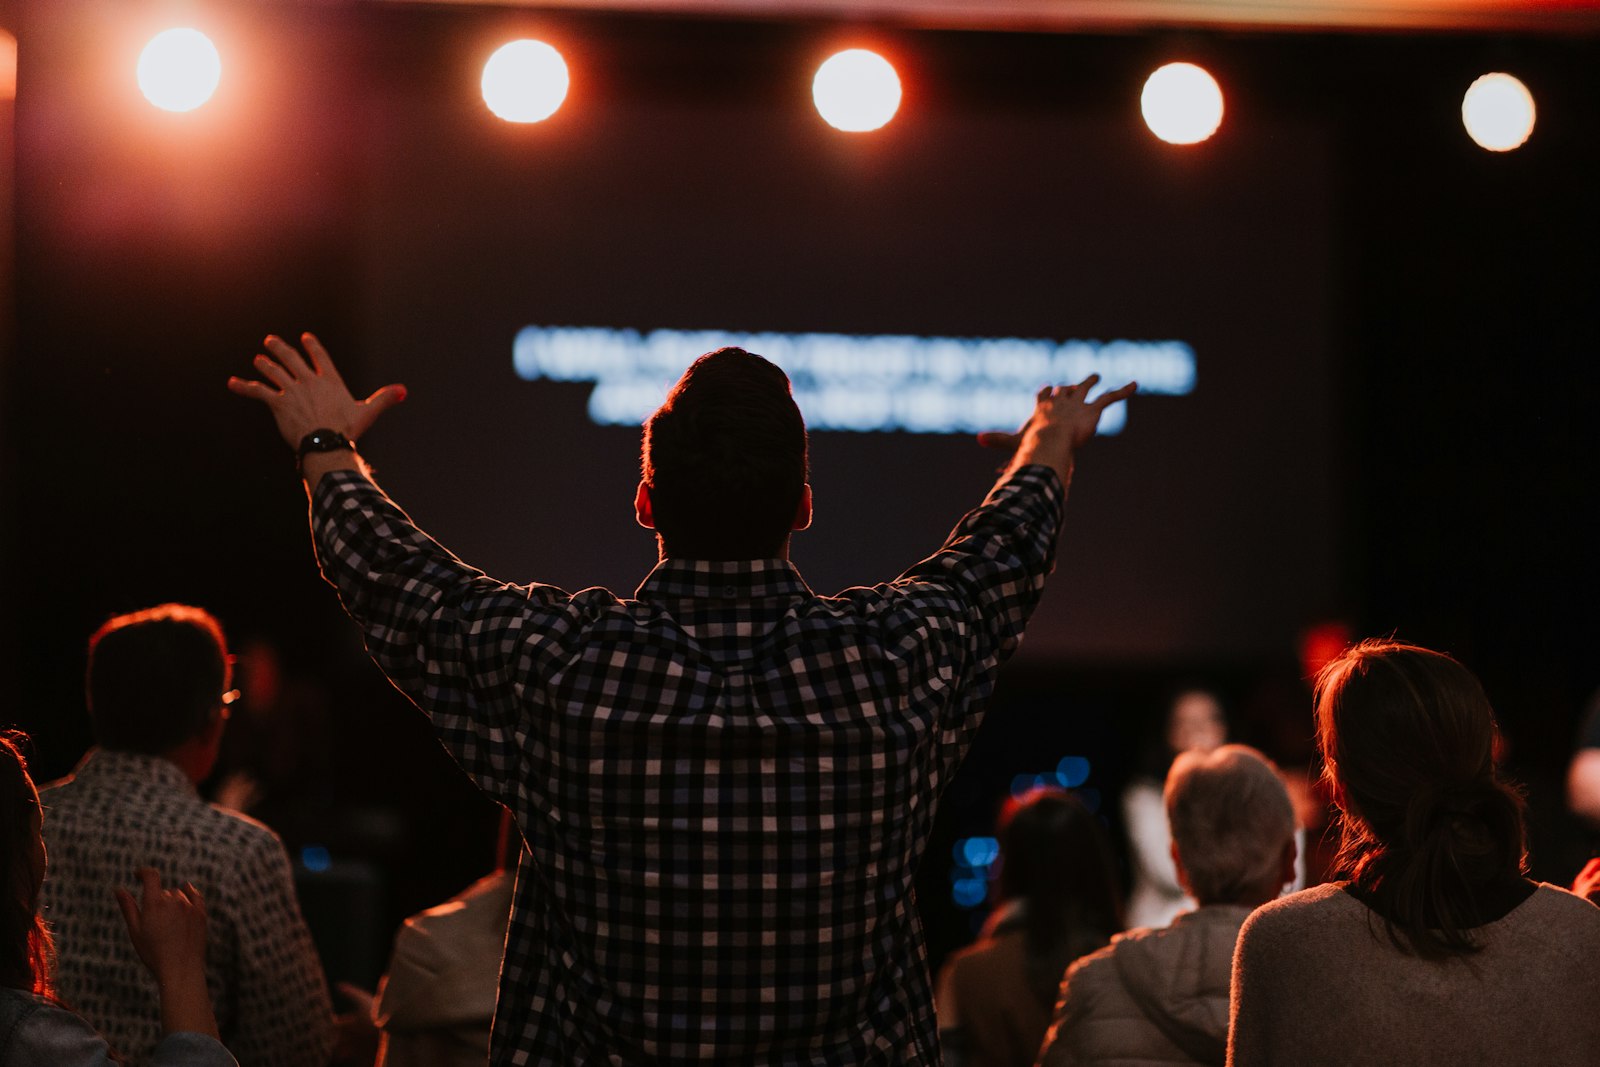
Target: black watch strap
321, 441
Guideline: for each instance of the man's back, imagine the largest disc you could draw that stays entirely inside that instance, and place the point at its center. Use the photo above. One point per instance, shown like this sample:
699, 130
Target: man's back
122, 811
724, 784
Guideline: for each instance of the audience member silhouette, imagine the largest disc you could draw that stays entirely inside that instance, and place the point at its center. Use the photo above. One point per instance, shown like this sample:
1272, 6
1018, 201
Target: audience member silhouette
158, 697
165, 927
1436, 950
1160, 996
725, 782
1058, 901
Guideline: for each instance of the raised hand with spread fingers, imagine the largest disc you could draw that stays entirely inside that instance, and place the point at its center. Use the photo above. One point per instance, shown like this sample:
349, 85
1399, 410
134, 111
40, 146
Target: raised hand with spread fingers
314, 409
1063, 421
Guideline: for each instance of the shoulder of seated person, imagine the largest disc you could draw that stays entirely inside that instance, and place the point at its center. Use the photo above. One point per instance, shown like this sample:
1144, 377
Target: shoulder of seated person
1298, 910
1564, 905
243, 828
49, 1033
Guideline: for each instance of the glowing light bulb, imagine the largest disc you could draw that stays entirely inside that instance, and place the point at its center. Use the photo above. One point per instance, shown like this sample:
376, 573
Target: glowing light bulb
1182, 104
179, 69
856, 91
1498, 112
525, 81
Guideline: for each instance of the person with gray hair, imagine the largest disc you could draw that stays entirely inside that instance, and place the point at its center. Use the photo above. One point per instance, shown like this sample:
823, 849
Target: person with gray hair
1160, 996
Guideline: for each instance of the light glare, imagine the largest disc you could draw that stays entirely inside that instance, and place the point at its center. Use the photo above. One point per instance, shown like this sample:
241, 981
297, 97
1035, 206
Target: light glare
1182, 104
525, 81
179, 69
1498, 112
856, 91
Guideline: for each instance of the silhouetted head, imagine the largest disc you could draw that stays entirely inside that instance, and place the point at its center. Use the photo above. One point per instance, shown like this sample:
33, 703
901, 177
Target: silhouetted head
1054, 846
157, 678
24, 939
1408, 739
724, 464
1054, 856
1232, 825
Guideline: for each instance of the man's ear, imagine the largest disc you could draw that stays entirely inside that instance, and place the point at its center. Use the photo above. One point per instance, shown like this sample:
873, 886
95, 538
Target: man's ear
641, 507
802, 514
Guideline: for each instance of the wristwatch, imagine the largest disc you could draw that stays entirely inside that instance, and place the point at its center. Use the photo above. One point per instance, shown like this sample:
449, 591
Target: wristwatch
321, 441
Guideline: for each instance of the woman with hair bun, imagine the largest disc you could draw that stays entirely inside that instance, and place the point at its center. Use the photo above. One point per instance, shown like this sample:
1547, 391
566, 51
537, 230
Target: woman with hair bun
1436, 950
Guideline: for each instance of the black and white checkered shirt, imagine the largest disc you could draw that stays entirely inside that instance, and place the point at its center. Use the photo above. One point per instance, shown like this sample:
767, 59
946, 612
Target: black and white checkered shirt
725, 783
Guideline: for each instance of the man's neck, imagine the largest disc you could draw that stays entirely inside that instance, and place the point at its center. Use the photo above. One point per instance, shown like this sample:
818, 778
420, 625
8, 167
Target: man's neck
194, 759
662, 555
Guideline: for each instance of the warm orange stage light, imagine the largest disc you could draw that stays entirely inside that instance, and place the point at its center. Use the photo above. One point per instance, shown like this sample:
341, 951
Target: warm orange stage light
179, 69
525, 81
1498, 112
856, 91
1182, 104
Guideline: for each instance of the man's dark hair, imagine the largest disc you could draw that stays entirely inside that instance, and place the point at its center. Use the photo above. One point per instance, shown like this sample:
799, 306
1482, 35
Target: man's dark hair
725, 459
156, 678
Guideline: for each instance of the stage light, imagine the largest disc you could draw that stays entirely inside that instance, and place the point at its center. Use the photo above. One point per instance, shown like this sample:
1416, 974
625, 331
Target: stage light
856, 91
1182, 104
1498, 112
179, 69
525, 81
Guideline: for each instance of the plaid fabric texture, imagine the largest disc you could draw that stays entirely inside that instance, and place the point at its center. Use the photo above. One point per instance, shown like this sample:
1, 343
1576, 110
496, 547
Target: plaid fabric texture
724, 784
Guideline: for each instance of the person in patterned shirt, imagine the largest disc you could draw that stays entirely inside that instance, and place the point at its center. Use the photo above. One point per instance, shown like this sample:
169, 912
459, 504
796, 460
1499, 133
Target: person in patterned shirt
724, 783
156, 688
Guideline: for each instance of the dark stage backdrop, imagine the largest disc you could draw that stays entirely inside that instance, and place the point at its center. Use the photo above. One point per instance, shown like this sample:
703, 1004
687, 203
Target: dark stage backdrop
1204, 530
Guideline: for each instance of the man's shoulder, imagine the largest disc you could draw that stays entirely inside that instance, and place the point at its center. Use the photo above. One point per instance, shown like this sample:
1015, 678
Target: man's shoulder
218, 840
239, 829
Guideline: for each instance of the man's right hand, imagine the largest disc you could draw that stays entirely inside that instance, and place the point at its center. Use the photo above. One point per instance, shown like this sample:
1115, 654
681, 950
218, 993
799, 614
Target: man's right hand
1062, 422
306, 393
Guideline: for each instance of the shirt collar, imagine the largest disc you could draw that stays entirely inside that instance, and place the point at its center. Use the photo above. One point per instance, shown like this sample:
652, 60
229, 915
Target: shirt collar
700, 579
105, 763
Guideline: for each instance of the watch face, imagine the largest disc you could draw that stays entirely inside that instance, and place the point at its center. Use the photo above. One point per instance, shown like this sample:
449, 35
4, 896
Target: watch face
324, 441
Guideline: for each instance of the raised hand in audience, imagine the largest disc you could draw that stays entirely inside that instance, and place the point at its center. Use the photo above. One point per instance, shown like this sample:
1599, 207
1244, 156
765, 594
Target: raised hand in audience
168, 930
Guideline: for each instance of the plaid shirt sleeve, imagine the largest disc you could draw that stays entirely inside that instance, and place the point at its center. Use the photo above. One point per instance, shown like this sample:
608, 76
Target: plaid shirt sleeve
448, 636
998, 557
985, 581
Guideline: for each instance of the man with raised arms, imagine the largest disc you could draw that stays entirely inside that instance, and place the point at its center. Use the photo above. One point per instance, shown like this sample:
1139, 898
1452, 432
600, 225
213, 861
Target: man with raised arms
725, 781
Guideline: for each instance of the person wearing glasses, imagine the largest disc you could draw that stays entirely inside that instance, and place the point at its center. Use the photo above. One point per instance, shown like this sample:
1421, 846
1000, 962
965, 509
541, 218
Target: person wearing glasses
158, 691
